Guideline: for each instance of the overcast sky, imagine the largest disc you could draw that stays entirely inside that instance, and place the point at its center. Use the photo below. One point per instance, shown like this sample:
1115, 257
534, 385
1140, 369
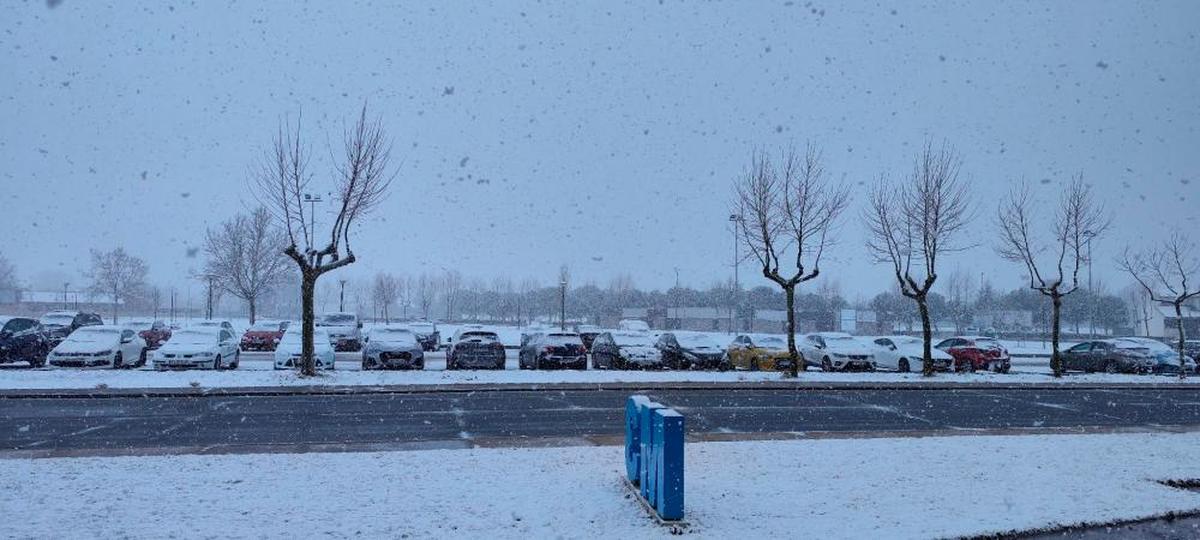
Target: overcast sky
603, 135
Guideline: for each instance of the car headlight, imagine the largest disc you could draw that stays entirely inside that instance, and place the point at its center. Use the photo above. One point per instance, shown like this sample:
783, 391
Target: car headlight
204, 354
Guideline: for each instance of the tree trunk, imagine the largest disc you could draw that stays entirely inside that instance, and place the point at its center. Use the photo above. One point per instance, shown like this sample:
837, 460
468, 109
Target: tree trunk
253, 308
1055, 330
308, 286
790, 294
927, 332
1182, 337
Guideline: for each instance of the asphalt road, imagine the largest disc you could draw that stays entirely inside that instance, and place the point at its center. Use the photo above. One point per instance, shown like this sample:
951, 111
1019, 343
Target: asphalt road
67, 426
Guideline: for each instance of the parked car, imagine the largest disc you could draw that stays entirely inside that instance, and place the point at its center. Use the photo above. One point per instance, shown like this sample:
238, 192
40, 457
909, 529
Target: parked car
263, 335
836, 351
552, 350
625, 350
200, 347
1191, 347
287, 352
633, 325
1109, 356
767, 353
23, 339
907, 353
344, 330
1166, 359
973, 353
392, 347
427, 334
100, 346
59, 324
587, 334
476, 349
692, 350
155, 333
214, 323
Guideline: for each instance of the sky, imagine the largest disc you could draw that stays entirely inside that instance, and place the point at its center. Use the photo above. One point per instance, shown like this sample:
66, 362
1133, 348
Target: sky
599, 134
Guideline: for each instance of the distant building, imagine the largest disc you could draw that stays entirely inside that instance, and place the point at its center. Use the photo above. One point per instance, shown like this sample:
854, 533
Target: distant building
38, 303
1162, 322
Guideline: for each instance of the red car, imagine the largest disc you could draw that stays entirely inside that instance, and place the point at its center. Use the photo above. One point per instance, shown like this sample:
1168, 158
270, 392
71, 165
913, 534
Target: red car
156, 334
977, 353
263, 336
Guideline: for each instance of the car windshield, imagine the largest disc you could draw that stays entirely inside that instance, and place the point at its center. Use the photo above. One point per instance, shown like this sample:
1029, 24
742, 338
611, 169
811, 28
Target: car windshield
562, 339
697, 341
392, 335
292, 338
771, 343
986, 343
905, 340
338, 319
265, 327
839, 339
58, 320
478, 336
194, 337
633, 340
92, 334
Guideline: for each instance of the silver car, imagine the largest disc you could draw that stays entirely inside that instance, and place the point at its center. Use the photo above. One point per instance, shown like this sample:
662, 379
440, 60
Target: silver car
392, 347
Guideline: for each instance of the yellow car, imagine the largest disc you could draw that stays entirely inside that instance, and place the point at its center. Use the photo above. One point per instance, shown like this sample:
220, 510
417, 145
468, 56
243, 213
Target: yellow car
766, 353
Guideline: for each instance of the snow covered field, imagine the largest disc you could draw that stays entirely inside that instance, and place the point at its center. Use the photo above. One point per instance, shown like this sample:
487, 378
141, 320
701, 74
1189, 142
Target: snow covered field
851, 488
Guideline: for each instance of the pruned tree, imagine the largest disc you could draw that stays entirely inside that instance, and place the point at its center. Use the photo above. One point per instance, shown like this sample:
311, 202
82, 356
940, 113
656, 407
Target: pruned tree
243, 256
385, 289
118, 275
790, 211
911, 224
1052, 253
1168, 273
361, 180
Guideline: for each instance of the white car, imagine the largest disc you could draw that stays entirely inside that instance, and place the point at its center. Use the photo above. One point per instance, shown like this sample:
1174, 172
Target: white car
204, 347
836, 351
100, 346
344, 331
907, 353
287, 353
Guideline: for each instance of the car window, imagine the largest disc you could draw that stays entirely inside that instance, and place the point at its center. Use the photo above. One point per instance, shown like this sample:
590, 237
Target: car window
1082, 347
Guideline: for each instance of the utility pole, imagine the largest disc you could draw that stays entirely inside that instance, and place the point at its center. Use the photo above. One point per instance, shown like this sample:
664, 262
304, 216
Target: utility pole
1091, 291
342, 296
737, 287
209, 312
66, 286
172, 305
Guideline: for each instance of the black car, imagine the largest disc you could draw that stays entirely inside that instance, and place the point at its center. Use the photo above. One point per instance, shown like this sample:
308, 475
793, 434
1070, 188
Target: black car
476, 349
552, 350
23, 340
625, 350
692, 351
1110, 356
59, 324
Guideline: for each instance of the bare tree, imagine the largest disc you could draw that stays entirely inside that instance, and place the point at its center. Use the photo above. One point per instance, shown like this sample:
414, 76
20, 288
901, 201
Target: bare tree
1052, 263
451, 287
1168, 274
116, 274
361, 181
243, 256
404, 293
913, 223
385, 290
789, 212
8, 281
426, 291
958, 299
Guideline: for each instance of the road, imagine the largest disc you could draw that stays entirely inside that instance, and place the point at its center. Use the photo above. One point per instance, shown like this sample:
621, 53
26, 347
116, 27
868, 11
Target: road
68, 426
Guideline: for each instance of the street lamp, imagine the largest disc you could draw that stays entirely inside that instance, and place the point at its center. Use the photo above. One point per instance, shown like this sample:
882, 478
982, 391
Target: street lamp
312, 201
562, 304
66, 286
735, 219
1091, 292
342, 296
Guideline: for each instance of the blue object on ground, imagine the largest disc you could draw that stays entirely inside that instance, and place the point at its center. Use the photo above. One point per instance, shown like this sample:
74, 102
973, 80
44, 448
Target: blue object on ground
654, 437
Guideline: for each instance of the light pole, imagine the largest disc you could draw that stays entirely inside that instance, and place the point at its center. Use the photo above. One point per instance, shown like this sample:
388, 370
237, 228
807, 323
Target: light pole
737, 288
562, 304
312, 201
342, 296
66, 286
1091, 292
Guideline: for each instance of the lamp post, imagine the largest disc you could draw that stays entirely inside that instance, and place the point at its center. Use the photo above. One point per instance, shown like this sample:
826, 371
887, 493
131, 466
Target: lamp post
735, 219
66, 286
1091, 292
342, 295
312, 201
562, 304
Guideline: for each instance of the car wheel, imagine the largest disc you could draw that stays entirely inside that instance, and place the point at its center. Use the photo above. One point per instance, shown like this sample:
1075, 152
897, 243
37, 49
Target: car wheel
754, 363
142, 358
420, 364
217, 362
826, 364
237, 359
117, 361
997, 368
903, 366
1111, 367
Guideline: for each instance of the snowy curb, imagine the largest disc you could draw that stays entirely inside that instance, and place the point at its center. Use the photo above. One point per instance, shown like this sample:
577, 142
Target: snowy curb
1084, 526
319, 390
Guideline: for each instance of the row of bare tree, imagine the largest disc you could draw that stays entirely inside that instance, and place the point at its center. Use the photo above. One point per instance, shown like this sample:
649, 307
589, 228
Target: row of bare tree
789, 212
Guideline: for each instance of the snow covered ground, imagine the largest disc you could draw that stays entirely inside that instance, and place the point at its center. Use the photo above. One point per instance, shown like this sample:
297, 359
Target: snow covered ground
851, 488
256, 371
